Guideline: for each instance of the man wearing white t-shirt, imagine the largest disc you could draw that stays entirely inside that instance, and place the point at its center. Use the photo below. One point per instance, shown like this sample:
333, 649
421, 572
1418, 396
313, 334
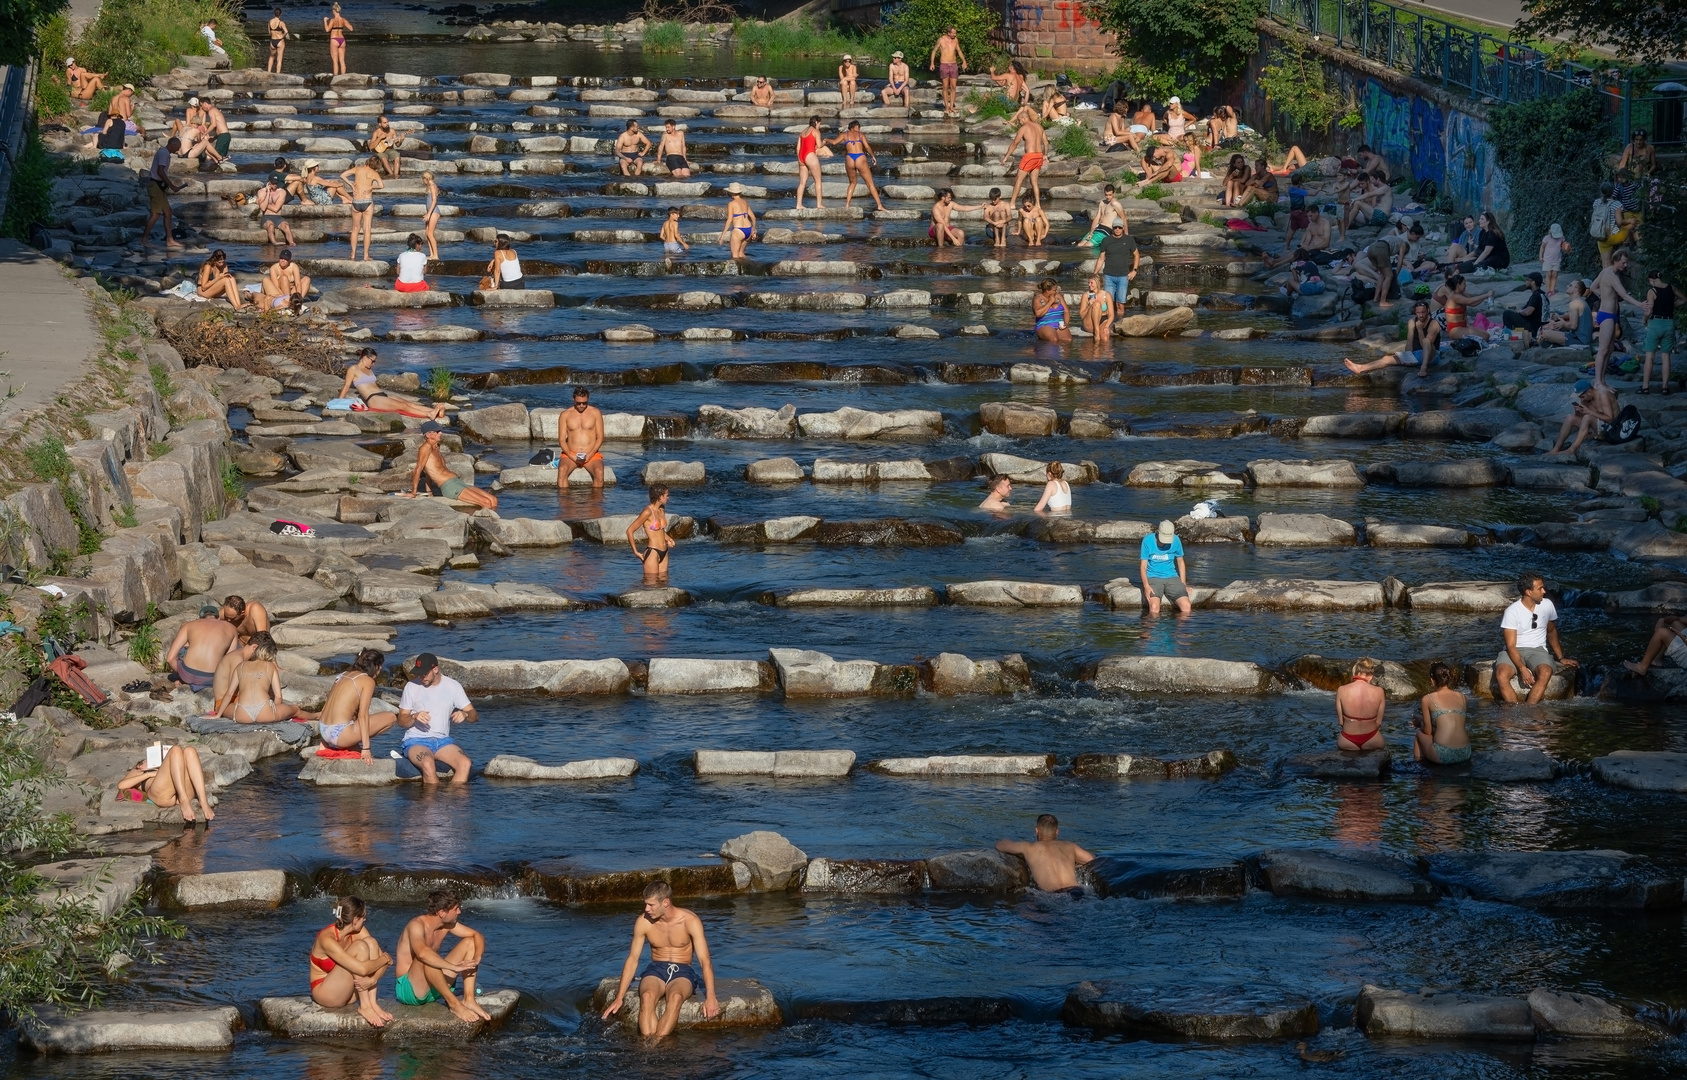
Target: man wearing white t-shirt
1530, 629
431, 704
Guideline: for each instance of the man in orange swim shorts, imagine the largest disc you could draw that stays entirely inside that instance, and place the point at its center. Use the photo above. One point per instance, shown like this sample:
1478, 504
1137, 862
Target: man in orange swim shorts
1036, 144
580, 431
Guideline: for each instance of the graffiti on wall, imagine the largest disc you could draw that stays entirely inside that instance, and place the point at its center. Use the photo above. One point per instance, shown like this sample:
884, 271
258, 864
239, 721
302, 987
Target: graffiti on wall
1429, 155
1388, 122
1473, 180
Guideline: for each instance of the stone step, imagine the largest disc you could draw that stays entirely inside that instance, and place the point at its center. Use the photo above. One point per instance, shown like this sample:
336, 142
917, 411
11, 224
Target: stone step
302, 1018
744, 1003
106, 1031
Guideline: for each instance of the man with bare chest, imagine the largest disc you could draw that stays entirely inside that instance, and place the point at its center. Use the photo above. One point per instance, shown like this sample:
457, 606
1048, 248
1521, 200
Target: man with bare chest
675, 935
579, 431
1053, 862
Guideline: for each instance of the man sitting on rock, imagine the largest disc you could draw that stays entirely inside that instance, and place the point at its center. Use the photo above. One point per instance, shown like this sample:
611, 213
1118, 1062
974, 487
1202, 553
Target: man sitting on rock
1668, 645
430, 462
430, 705
674, 935
1053, 862
424, 974
1530, 629
199, 646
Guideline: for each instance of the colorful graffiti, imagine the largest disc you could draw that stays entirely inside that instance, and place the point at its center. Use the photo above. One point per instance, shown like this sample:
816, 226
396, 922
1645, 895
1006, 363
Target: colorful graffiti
1429, 154
1470, 163
1388, 122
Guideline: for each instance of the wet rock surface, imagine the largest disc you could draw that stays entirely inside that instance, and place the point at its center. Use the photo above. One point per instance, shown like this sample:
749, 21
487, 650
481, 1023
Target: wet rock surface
1189, 1013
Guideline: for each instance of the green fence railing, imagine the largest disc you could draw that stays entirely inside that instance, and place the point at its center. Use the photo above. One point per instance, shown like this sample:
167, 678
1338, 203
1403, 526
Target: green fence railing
1481, 65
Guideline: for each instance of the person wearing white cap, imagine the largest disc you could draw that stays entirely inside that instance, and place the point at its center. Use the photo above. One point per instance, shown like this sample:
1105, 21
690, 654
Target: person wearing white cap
847, 74
1179, 121
898, 86
740, 226
1553, 249
1164, 574
84, 84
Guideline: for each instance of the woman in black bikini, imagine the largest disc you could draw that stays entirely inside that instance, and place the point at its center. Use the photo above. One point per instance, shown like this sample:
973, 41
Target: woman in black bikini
1359, 708
653, 519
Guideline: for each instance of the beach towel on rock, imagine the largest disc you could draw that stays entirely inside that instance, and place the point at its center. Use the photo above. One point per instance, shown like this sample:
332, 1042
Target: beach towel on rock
288, 732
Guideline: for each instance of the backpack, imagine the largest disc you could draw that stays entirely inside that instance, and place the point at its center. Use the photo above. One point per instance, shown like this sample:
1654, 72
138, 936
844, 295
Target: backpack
1625, 427
1604, 221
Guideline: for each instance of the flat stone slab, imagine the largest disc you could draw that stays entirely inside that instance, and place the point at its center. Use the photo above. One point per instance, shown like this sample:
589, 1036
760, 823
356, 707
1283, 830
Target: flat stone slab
107, 884
776, 763
1474, 596
743, 1003
673, 675
908, 596
1557, 879
915, 1011
302, 1018
105, 1031
1299, 594
1189, 1013
967, 765
1514, 767
1014, 594
1340, 875
1644, 770
349, 772
1433, 1015
237, 889
865, 877
1182, 675
1340, 764
1583, 1016
1156, 874
512, 767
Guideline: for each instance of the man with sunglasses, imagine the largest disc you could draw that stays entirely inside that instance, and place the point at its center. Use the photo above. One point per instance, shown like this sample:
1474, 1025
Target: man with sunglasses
1530, 629
579, 430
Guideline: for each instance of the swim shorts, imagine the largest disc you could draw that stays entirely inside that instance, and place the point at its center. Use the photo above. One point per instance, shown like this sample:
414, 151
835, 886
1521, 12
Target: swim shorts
221, 143
674, 162
406, 993
668, 972
1031, 162
452, 488
432, 743
1534, 657
1168, 588
156, 197
274, 219
949, 71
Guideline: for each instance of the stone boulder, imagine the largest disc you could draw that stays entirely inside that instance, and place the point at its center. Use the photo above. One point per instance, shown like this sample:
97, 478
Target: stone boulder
788, 764
106, 885
1017, 420
673, 473
806, 673
1324, 473
1030, 471
775, 864
952, 673
605, 676
301, 1018
1161, 874
495, 423
1472, 596
1442, 1015
1166, 322
905, 596
1557, 880
774, 471
1213, 763
106, 1031
1644, 770
1583, 1016
1303, 530
744, 1003
1188, 1012
1183, 472
1465, 472
511, 767
1340, 875
851, 424
968, 765
1183, 675
1417, 536
1296, 594
234, 889
1014, 594
674, 675
349, 772
1340, 765
748, 423
982, 871
1514, 767
865, 877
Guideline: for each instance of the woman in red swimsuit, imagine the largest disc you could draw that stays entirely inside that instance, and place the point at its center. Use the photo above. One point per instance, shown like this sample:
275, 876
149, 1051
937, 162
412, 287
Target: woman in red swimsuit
1359, 706
808, 160
346, 962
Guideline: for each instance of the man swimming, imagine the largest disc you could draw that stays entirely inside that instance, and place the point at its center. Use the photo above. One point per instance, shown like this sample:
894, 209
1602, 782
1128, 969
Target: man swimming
674, 934
1053, 862
424, 974
199, 646
579, 431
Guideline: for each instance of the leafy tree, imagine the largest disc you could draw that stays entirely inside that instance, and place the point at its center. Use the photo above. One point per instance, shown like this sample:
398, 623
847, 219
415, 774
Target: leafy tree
1663, 239
1646, 31
53, 949
18, 20
1182, 45
918, 24
1553, 151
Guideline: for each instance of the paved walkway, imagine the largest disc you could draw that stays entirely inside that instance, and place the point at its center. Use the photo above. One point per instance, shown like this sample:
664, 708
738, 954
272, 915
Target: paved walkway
1502, 13
46, 335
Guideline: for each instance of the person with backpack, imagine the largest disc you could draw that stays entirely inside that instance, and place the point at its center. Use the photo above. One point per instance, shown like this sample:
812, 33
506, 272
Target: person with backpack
1609, 225
1593, 409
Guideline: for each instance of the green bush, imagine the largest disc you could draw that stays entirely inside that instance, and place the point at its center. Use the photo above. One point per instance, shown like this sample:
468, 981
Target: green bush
664, 37
1076, 141
20, 24
48, 460
1554, 151
790, 39
1297, 87
917, 24
132, 39
991, 105
1180, 46
30, 199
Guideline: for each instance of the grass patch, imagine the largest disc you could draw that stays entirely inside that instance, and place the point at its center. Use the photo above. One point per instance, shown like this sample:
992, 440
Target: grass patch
234, 483
441, 383
792, 39
990, 106
144, 646
134, 39
161, 380
29, 202
1154, 192
125, 517
1076, 141
48, 460
664, 37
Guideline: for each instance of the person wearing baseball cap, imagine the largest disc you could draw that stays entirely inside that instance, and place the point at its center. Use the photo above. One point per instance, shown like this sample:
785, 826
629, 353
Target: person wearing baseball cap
430, 463
432, 702
1164, 574
900, 85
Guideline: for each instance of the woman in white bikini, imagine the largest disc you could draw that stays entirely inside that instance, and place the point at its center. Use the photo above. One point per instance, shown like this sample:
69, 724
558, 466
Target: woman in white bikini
347, 723
257, 688
653, 519
360, 378
1057, 492
178, 779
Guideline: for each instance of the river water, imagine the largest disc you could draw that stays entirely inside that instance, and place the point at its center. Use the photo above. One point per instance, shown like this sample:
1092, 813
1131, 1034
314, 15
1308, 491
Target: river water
815, 951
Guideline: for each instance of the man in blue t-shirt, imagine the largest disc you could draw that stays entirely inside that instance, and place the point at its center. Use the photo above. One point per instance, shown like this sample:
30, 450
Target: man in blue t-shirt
1163, 571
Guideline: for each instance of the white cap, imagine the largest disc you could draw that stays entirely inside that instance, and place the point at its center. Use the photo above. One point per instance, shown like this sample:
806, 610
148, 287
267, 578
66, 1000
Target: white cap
1166, 533
848, 57
70, 61
897, 55
193, 101
1174, 100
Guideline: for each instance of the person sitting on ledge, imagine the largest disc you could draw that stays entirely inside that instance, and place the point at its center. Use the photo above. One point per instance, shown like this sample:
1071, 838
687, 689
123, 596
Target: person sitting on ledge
1440, 738
248, 620
1530, 630
346, 963
1359, 709
1165, 576
256, 694
412, 268
1053, 862
425, 974
346, 720
1423, 338
1668, 645
430, 462
178, 778
675, 935
430, 705
199, 646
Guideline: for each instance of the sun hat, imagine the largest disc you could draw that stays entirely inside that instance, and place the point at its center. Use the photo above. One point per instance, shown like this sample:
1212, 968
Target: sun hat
897, 55
1174, 100
1165, 533
193, 101
735, 188
1556, 232
129, 86
312, 164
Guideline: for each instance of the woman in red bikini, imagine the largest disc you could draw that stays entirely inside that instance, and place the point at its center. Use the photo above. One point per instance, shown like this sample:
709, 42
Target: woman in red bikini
346, 962
1359, 706
808, 160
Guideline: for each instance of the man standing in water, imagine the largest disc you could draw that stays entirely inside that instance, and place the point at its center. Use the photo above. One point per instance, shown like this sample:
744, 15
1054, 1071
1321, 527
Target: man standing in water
674, 935
1032, 161
947, 59
579, 431
1053, 862
424, 974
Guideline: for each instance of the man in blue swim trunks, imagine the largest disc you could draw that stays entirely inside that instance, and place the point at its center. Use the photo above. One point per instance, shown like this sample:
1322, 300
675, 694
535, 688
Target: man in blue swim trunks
425, 974
430, 705
199, 646
674, 934
1608, 287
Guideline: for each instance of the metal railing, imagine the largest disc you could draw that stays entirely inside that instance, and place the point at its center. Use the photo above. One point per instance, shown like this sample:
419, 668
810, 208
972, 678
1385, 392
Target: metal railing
1481, 65
17, 98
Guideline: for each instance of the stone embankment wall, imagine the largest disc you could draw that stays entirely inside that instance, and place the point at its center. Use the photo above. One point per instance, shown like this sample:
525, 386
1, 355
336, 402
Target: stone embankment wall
1058, 33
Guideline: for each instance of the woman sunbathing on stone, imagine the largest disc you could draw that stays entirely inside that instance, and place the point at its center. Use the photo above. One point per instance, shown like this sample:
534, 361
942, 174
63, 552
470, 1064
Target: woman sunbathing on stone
178, 775
360, 377
257, 688
346, 963
347, 723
